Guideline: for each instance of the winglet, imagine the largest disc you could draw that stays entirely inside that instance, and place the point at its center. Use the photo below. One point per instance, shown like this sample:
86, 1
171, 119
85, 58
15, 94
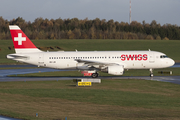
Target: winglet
22, 43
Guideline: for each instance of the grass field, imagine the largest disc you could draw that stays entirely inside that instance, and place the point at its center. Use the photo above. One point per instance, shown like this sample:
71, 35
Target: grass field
171, 47
110, 100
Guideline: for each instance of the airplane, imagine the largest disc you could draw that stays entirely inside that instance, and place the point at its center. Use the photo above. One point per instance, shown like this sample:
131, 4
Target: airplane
89, 62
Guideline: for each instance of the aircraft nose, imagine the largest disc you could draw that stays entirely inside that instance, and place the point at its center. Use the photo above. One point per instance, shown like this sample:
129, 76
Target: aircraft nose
171, 62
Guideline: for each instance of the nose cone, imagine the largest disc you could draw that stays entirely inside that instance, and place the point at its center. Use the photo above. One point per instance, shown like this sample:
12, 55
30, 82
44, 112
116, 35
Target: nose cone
171, 62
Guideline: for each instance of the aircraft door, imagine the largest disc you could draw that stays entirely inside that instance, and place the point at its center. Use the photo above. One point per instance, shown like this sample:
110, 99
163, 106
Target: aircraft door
41, 60
151, 58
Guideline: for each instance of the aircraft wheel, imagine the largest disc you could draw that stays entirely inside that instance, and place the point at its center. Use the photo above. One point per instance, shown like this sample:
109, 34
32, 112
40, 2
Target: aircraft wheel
94, 75
151, 75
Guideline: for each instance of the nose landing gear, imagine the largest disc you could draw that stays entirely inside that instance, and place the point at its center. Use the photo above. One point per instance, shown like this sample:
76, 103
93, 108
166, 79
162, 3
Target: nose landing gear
151, 72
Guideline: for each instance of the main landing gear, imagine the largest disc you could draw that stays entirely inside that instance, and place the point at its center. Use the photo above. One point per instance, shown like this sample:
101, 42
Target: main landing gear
95, 75
151, 72
92, 73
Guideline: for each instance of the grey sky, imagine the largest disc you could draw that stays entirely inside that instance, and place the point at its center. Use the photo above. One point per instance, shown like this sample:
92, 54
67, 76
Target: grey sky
163, 11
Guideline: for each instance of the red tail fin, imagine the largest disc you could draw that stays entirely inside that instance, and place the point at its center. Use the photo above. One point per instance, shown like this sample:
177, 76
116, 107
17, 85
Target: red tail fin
22, 43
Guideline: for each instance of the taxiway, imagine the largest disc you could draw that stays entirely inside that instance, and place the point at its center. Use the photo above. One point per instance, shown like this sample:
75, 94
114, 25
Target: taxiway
5, 72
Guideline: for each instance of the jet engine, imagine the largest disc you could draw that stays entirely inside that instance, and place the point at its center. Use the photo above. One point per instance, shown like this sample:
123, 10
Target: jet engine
114, 70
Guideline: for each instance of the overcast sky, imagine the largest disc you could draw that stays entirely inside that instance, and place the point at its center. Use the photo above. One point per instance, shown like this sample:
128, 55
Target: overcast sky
163, 11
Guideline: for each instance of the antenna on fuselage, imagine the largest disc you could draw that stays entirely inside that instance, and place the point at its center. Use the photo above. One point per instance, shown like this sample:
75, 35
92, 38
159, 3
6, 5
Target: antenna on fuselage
149, 50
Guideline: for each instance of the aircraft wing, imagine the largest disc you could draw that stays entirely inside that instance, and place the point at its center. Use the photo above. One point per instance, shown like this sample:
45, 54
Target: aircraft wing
110, 68
95, 63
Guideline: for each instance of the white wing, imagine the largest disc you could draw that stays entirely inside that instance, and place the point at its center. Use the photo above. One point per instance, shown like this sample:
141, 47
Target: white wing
96, 64
110, 68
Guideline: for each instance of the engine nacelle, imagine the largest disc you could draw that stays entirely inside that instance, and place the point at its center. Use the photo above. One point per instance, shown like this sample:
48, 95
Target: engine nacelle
114, 70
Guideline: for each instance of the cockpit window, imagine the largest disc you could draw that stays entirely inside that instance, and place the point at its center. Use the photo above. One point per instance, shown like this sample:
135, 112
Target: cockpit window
163, 56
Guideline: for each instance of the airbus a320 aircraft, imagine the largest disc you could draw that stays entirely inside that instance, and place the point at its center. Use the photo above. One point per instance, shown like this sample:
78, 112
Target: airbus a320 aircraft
90, 62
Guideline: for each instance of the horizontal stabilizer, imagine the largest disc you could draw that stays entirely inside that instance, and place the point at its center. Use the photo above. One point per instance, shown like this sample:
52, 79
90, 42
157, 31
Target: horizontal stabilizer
15, 56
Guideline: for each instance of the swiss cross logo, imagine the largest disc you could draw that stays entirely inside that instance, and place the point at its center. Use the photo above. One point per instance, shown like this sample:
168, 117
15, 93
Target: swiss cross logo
20, 39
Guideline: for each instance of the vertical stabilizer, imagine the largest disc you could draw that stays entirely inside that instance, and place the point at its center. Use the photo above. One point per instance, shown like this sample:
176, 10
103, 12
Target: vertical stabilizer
22, 43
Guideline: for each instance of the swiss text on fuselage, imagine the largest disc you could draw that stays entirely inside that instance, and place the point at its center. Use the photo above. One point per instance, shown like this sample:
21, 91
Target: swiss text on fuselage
134, 57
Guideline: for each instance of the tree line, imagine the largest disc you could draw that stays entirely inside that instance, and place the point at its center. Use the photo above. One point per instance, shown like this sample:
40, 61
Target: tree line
90, 29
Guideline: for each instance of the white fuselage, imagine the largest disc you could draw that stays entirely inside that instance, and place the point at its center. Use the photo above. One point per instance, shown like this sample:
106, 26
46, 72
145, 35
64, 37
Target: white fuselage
68, 60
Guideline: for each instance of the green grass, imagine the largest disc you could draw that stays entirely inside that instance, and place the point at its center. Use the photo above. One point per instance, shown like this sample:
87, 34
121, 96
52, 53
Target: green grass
171, 47
112, 99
